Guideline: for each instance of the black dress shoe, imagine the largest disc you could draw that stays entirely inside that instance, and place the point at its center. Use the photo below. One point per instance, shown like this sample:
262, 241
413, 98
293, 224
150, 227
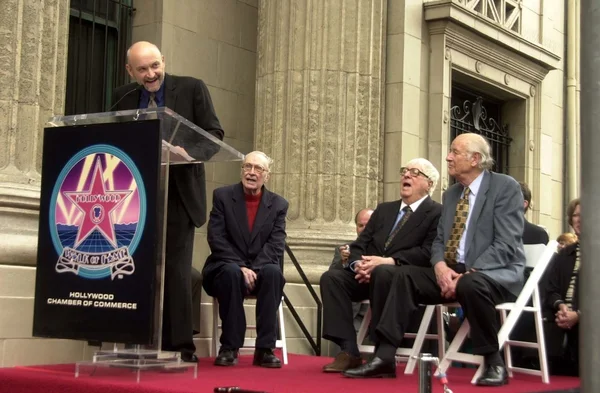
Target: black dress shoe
493, 376
376, 368
226, 357
265, 357
189, 357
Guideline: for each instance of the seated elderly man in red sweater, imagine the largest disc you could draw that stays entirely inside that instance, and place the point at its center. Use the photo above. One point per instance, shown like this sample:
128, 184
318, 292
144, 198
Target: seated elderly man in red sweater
246, 235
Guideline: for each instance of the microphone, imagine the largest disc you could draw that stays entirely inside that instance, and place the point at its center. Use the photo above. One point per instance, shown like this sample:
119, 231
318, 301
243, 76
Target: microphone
138, 87
235, 389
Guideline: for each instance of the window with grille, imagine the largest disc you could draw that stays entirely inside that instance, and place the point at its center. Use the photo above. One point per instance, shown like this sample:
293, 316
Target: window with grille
99, 35
473, 112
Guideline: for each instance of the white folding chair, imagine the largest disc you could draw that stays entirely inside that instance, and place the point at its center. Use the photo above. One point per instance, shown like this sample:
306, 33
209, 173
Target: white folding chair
530, 289
249, 343
408, 354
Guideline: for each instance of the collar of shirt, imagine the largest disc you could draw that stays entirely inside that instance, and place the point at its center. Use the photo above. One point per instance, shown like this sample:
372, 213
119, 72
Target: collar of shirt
413, 206
158, 97
474, 187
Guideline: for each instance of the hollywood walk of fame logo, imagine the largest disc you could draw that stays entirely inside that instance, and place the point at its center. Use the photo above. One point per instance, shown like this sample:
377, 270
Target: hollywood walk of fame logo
97, 211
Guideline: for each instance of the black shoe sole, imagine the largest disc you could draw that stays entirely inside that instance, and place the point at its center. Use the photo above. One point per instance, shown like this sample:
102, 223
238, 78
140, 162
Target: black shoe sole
482, 383
267, 365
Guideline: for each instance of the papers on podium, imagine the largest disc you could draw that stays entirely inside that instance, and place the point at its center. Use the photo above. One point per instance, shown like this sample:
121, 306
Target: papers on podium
177, 154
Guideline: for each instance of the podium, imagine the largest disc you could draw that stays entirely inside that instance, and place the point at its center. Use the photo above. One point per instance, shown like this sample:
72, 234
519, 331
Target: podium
102, 228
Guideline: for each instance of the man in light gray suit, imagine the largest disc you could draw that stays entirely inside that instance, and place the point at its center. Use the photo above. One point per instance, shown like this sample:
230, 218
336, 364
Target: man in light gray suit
477, 259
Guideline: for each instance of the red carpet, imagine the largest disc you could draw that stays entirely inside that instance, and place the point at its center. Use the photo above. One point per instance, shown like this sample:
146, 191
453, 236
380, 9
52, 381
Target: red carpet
303, 374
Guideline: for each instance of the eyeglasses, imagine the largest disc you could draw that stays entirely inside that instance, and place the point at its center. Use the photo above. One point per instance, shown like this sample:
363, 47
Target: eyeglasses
257, 168
414, 172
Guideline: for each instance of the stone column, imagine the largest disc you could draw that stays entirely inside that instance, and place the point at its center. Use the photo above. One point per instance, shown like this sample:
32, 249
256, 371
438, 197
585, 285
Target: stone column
319, 115
34, 34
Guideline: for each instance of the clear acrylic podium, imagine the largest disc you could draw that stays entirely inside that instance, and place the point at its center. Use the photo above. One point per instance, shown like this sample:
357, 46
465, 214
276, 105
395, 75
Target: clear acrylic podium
101, 251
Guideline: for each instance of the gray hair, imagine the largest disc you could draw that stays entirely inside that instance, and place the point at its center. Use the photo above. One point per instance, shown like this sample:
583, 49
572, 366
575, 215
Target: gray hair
428, 169
266, 157
480, 145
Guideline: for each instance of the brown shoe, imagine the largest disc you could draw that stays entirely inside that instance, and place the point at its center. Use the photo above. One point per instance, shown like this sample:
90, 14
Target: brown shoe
342, 362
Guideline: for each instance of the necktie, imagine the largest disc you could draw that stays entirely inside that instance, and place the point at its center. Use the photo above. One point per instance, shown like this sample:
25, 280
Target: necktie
458, 228
407, 212
151, 102
571, 289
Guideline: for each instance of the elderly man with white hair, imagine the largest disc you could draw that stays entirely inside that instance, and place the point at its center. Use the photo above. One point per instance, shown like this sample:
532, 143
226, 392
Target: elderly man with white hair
477, 260
246, 235
398, 233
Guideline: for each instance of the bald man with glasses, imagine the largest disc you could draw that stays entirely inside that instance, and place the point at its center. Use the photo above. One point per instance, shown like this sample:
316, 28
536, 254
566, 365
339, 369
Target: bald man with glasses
398, 233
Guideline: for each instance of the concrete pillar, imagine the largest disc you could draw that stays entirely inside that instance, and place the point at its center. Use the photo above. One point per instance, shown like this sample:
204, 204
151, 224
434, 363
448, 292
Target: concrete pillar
319, 115
33, 70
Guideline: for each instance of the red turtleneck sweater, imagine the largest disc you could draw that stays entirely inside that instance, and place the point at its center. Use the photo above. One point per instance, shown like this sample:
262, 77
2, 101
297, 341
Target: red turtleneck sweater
252, 202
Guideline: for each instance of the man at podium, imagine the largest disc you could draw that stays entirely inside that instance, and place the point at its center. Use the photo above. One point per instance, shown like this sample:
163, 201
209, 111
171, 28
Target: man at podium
189, 97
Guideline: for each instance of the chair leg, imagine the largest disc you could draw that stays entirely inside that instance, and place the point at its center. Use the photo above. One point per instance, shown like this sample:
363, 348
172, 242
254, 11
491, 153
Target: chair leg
418, 343
362, 333
282, 334
539, 328
215, 335
441, 331
455, 345
507, 348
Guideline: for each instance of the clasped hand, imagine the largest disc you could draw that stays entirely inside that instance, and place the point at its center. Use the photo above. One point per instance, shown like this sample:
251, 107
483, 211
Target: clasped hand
365, 266
566, 318
249, 278
446, 279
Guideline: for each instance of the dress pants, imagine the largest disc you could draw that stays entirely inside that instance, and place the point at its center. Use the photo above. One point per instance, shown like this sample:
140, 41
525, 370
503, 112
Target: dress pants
396, 293
339, 289
228, 286
177, 307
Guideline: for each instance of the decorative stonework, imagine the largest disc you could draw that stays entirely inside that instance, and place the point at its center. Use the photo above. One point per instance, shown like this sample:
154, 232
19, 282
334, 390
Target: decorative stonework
478, 66
318, 112
33, 68
532, 91
506, 13
507, 79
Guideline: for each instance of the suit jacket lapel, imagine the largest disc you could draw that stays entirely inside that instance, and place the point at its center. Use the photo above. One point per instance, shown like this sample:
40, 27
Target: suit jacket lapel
264, 208
239, 209
132, 101
170, 92
479, 202
416, 218
389, 220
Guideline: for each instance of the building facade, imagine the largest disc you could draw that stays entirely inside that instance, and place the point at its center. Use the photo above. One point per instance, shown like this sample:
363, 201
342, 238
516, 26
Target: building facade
339, 93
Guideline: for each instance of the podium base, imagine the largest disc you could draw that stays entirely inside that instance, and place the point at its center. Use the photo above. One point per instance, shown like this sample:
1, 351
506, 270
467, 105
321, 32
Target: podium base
135, 361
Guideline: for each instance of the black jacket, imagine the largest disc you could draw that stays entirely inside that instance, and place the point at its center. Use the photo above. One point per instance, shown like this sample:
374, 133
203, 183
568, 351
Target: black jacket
410, 246
228, 234
189, 97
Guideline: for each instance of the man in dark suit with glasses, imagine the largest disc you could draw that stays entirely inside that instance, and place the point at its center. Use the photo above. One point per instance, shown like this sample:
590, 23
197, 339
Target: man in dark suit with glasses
398, 233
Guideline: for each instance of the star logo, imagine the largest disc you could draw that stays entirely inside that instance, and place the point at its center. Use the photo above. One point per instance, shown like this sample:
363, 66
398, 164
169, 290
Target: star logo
97, 204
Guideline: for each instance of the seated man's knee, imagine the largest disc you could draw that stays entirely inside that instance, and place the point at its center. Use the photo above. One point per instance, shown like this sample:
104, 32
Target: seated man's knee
331, 276
270, 271
231, 270
383, 271
468, 285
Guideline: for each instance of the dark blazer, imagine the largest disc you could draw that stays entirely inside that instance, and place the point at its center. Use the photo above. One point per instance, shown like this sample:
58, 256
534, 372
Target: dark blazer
229, 237
494, 238
189, 97
534, 234
410, 246
557, 279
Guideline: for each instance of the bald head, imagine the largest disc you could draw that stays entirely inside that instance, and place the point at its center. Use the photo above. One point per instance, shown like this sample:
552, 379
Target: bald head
146, 65
361, 219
